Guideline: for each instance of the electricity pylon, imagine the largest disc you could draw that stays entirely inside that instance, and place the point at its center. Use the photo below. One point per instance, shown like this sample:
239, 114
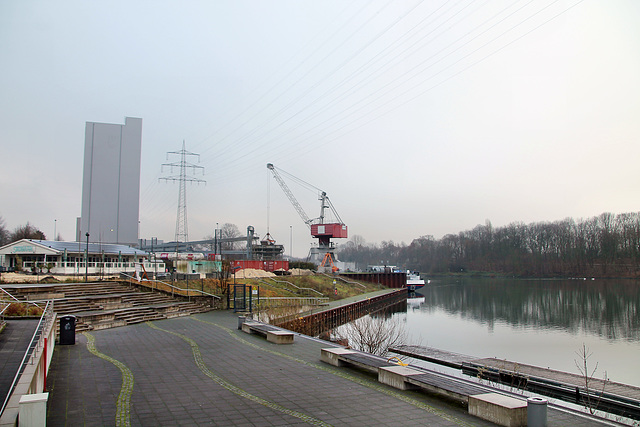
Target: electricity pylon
182, 179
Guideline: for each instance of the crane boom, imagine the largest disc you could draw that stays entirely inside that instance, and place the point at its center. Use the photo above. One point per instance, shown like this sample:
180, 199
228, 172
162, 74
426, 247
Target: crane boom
289, 194
321, 230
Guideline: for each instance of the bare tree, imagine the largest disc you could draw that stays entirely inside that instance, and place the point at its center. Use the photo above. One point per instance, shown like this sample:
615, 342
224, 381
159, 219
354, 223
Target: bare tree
229, 231
374, 334
590, 402
4, 233
27, 231
224, 279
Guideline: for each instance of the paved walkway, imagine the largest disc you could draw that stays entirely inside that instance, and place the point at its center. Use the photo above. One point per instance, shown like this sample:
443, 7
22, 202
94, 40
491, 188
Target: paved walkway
14, 342
200, 370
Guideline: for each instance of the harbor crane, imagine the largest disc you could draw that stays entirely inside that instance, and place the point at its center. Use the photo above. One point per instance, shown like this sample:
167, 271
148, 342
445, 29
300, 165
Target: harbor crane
321, 230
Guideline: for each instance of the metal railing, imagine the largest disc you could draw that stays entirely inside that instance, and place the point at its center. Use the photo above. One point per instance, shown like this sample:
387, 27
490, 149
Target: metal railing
344, 280
301, 301
174, 289
10, 295
294, 286
14, 300
37, 342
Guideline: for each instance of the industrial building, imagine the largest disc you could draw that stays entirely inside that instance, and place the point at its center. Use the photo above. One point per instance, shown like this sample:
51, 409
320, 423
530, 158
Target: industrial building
111, 182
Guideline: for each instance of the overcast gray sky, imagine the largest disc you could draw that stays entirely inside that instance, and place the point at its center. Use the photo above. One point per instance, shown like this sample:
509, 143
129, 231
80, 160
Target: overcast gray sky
417, 118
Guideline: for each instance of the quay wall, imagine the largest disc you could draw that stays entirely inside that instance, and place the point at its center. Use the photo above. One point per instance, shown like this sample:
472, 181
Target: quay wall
323, 321
388, 280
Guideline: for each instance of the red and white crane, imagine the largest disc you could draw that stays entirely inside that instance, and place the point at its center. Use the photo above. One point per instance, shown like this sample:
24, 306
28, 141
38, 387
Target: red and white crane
321, 230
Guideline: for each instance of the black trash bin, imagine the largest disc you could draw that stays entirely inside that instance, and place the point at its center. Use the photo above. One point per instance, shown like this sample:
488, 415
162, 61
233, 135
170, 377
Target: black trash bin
68, 330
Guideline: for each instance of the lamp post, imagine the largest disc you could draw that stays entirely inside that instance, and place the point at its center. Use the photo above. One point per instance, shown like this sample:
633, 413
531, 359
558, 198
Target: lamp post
215, 242
234, 273
86, 261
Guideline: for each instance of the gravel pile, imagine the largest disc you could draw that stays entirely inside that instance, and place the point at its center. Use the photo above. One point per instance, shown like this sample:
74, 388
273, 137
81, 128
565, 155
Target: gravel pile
248, 273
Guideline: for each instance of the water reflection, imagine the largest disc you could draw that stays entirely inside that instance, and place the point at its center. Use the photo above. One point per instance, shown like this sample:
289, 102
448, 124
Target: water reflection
608, 308
415, 301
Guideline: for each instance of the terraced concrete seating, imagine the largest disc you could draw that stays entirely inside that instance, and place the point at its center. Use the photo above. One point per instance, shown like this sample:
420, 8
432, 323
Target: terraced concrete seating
110, 304
273, 334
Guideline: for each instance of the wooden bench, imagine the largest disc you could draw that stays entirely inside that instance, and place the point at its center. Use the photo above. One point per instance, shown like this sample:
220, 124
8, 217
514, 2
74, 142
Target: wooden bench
407, 378
273, 334
494, 407
338, 356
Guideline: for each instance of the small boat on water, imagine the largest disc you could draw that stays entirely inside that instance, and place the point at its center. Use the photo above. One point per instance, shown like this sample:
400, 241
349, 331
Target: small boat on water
414, 281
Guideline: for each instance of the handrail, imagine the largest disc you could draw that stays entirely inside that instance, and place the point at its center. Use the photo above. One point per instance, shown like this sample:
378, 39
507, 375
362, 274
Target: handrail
344, 280
320, 300
271, 302
16, 299
8, 293
188, 290
298, 287
47, 315
264, 282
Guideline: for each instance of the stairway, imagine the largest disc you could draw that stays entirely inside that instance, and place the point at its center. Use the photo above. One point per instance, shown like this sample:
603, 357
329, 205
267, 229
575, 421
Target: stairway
106, 305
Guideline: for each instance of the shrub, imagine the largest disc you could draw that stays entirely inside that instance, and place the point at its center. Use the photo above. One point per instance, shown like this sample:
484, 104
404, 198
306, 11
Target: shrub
34, 310
303, 265
16, 309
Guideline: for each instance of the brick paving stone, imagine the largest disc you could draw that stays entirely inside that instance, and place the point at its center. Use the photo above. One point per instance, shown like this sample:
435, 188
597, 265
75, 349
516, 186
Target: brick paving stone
14, 341
230, 378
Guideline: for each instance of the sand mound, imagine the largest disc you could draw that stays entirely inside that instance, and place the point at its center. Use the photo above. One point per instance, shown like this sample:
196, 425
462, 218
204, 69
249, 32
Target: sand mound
248, 273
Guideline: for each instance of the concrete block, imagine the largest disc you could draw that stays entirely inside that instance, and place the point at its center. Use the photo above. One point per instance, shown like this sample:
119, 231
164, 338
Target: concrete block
499, 409
33, 410
332, 355
241, 320
395, 376
280, 337
246, 326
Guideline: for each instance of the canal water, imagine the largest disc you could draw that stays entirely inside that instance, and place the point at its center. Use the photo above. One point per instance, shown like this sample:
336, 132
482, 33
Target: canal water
538, 322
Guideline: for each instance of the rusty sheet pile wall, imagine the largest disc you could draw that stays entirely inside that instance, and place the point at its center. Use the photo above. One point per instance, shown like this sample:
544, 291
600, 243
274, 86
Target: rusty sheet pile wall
317, 323
389, 280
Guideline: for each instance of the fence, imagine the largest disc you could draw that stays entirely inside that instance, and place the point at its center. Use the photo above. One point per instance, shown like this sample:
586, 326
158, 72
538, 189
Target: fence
92, 267
32, 375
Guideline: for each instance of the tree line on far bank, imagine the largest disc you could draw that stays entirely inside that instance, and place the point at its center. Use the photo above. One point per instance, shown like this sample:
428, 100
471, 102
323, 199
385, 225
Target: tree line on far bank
607, 245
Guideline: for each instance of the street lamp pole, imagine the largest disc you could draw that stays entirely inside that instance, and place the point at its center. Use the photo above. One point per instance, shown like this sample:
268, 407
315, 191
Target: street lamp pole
215, 242
86, 261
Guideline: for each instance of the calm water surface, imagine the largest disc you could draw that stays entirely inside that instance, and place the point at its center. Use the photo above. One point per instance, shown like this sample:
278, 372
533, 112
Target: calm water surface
537, 322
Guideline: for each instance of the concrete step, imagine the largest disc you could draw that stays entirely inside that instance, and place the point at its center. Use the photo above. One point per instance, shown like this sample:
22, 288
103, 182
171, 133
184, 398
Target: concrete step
108, 305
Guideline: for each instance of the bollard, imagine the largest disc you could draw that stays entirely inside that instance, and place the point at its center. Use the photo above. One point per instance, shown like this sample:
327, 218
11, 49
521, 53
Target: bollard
241, 320
536, 412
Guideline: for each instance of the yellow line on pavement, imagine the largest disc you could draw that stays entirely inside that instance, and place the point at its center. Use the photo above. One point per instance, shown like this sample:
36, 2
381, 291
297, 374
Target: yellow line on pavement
339, 373
197, 355
123, 404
